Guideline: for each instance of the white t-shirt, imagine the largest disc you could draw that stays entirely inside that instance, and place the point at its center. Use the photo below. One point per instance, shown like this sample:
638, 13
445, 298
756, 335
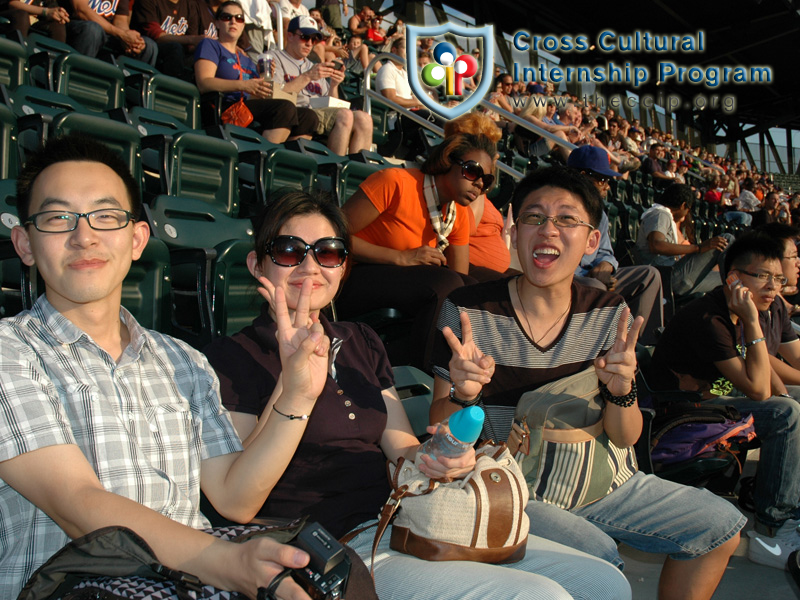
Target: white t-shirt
288, 68
390, 77
290, 11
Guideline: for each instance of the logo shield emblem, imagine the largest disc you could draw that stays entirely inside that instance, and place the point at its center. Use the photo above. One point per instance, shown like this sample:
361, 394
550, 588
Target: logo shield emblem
486, 33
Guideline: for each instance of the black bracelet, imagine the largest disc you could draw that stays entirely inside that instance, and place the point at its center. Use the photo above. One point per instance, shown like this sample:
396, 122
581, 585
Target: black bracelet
290, 417
625, 401
463, 403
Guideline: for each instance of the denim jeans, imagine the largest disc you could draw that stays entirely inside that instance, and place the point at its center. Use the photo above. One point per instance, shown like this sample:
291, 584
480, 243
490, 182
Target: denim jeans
87, 37
647, 513
777, 423
694, 274
739, 218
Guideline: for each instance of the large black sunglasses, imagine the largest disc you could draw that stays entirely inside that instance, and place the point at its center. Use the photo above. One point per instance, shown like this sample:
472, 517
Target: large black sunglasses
226, 16
472, 170
290, 251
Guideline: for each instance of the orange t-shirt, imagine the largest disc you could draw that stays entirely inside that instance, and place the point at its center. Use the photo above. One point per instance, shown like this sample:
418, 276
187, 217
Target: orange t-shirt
403, 222
487, 248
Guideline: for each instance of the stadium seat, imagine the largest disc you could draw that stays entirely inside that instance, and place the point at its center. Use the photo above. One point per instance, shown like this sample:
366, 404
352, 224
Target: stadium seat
13, 64
42, 53
147, 289
169, 95
9, 151
97, 85
117, 136
415, 389
195, 232
235, 301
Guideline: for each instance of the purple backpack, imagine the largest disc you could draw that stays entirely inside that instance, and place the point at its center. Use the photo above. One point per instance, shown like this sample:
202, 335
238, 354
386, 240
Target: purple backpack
684, 430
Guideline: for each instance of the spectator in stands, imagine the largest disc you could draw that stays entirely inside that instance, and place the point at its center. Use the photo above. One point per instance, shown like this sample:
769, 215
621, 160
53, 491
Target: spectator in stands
93, 25
489, 257
680, 175
347, 130
406, 226
207, 10
392, 83
360, 22
294, 8
258, 28
652, 164
220, 66
107, 423
532, 144
500, 97
745, 204
358, 56
716, 346
503, 338
176, 28
774, 211
639, 285
375, 35
332, 464
714, 193
658, 244
52, 19
332, 14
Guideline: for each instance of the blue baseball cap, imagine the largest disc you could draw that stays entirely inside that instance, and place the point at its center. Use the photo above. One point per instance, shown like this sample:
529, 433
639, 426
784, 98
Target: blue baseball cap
591, 158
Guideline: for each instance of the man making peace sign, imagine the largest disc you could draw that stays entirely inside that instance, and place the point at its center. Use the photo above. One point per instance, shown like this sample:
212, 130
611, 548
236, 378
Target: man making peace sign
507, 337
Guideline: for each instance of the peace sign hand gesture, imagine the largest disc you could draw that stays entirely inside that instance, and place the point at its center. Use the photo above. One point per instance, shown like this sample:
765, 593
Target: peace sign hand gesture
302, 342
617, 368
470, 369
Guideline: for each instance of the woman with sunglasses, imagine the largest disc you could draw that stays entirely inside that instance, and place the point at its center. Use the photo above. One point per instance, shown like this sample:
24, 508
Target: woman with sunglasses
330, 462
406, 225
220, 66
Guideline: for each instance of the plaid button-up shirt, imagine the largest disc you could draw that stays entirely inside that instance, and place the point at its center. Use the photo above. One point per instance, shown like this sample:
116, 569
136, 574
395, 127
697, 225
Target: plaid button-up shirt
144, 423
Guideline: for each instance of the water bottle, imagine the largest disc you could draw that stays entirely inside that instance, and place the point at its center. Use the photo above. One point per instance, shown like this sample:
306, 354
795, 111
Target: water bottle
457, 434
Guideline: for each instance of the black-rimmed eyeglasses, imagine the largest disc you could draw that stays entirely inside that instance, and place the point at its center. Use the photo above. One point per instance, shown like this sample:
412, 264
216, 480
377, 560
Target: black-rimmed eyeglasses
62, 221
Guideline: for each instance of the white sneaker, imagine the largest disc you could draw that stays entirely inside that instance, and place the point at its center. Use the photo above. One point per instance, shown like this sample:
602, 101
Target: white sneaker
774, 551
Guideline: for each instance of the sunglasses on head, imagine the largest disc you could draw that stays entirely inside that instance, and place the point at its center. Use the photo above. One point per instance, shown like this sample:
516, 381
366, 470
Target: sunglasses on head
226, 16
472, 171
290, 251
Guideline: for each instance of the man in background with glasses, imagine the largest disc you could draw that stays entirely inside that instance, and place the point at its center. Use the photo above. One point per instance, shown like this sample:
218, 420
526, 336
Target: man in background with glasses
723, 346
103, 422
639, 285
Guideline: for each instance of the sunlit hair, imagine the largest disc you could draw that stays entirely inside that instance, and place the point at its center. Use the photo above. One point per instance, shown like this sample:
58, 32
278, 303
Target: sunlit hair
749, 246
475, 123
441, 157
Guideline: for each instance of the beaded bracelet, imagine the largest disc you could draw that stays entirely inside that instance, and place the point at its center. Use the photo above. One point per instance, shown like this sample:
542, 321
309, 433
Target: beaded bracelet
625, 401
290, 417
755, 341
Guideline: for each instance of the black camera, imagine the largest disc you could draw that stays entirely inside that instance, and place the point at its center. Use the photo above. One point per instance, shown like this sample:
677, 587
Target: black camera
325, 576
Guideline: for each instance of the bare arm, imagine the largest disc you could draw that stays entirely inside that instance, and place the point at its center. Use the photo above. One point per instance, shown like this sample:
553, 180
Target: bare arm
458, 258
60, 481
391, 94
785, 372
657, 244
205, 75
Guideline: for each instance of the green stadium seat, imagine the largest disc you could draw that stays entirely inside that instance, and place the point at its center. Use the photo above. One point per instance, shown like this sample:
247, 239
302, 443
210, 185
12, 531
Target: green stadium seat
147, 289
195, 232
8, 207
169, 95
235, 301
9, 151
13, 64
97, 85
42, 53
117, 136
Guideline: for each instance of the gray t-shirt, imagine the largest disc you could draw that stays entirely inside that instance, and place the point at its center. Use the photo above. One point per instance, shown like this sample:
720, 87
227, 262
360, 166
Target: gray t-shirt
652, 221
288, 68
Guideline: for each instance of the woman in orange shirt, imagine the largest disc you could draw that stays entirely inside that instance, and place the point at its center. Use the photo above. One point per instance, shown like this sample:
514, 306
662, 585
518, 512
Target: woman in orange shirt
406, 225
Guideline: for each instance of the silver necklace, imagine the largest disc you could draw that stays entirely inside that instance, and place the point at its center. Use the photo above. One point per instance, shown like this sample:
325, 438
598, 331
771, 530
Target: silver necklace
525, 313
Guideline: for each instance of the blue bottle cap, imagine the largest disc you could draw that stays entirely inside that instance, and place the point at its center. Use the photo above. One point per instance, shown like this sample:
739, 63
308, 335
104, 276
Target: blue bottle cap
466, 424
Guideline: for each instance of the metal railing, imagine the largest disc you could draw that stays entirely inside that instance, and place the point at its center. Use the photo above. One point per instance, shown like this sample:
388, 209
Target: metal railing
370, 95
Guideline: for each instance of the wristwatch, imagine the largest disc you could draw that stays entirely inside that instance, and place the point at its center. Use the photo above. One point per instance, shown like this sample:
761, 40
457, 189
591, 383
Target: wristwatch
463, 403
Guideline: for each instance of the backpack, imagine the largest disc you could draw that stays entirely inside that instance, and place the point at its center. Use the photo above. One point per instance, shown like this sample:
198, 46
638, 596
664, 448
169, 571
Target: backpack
684, 430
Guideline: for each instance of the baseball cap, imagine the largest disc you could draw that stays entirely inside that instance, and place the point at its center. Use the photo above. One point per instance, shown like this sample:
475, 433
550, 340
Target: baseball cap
305, 25
590, 158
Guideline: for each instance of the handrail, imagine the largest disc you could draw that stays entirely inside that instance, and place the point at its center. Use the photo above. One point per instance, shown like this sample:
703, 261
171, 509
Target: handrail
369, 94
278, 24
520, 122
